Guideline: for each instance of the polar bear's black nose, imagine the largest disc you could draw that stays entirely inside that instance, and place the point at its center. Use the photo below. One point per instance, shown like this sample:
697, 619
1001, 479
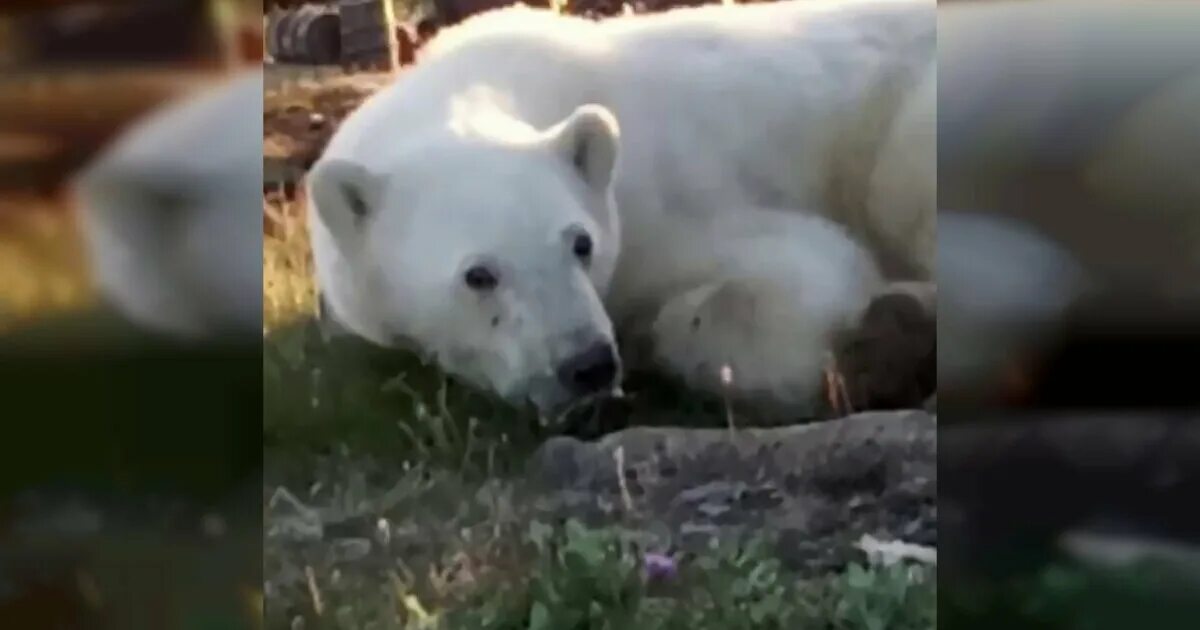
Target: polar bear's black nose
589, 371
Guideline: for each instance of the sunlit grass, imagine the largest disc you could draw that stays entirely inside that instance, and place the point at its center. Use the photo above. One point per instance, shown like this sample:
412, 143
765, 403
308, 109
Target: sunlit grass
44, 268
43, 265
289, 291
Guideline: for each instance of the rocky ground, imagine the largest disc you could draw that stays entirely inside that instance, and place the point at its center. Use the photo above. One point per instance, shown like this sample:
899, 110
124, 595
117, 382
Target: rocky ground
814, 493
816, 488
382, 475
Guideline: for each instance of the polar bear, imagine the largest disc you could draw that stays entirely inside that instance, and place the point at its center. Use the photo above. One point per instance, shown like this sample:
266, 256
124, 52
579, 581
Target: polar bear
171, 216
706, 178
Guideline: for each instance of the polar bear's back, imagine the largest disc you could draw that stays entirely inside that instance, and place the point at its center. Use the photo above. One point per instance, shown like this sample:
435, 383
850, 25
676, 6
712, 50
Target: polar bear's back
685, 29
549, 63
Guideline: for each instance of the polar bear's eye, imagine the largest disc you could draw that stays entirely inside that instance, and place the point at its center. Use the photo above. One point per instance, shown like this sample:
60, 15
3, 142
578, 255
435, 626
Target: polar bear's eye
480, 278
582, 247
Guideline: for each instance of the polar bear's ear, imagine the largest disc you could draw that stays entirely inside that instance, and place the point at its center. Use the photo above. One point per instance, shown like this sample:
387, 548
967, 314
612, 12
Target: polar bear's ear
343, 193
588, 139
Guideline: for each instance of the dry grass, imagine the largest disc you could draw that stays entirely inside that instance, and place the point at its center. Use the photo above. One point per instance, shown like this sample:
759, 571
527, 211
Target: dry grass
289, 290
44, 270
293, 96
43, 266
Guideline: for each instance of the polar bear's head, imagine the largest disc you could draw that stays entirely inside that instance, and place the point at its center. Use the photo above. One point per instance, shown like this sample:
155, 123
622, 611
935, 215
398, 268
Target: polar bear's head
171, 216
489, 249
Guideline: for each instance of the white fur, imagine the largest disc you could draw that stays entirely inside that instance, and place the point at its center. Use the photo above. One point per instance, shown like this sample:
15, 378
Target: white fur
1078, 118
1002, 286
1069, 129
769, 308
742, 135
171, 214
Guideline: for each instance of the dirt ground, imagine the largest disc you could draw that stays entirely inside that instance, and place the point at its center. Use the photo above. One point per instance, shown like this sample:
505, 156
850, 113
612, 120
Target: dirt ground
302, 107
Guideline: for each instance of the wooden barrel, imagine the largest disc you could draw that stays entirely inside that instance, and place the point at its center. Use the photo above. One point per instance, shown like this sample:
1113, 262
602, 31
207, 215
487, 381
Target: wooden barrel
287, 35
309, 35
271, 32
366, 34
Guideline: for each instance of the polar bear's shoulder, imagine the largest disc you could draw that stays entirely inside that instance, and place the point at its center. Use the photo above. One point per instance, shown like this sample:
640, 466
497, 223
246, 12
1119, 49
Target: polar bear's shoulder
521, 21
515, 21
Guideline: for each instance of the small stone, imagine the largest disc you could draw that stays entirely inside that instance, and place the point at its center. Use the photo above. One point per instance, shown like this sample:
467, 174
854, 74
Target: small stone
710, 490
383, 531
557, 461
351, 549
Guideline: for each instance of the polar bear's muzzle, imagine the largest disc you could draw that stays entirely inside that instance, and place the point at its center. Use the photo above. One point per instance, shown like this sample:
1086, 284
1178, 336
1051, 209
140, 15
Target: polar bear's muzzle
594, 370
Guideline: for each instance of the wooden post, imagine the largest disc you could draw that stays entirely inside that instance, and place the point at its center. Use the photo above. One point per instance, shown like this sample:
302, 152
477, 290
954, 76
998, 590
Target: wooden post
389, 26
224, 18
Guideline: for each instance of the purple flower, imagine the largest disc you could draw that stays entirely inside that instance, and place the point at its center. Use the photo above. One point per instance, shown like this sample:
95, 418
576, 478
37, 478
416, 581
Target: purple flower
659, 566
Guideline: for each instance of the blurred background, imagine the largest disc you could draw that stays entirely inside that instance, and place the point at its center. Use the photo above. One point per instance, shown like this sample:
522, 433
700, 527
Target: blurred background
1068, 332
131, 444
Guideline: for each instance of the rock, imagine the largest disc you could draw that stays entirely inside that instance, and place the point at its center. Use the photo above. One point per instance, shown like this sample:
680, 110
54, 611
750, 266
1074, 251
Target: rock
816, 488
351, 549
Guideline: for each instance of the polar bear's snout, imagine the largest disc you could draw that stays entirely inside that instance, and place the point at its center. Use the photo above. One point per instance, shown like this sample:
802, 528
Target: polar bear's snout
592, 371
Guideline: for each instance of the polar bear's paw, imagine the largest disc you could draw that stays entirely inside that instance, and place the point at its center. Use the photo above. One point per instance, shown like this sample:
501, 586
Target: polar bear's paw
888, 361
750, 339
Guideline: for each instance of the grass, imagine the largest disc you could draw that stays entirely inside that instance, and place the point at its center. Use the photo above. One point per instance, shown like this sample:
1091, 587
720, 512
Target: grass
43, 269
1065, 594
493, 567
289, 292
588, 578
107, 424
